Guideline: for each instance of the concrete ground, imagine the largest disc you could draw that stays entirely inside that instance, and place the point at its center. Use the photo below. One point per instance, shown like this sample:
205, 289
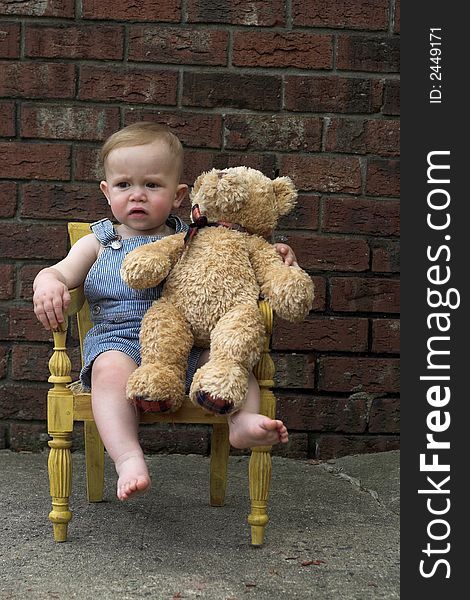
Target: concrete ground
333, 533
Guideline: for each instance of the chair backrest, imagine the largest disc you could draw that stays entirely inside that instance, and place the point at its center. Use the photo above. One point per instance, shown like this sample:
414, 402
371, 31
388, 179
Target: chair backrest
77, 231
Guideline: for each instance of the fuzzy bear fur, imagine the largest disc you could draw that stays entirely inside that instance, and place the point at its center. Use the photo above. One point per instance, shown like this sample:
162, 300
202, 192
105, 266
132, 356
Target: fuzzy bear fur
211, 292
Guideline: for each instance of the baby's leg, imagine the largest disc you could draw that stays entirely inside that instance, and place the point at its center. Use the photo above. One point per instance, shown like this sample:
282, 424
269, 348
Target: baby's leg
247, 428
117, 421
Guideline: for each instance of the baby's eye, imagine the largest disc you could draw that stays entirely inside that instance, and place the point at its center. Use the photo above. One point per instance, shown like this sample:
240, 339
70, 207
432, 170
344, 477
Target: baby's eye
122, 185
152, 186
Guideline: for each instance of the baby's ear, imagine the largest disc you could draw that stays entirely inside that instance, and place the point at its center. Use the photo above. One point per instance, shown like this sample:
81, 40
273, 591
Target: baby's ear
285, 193
104, 189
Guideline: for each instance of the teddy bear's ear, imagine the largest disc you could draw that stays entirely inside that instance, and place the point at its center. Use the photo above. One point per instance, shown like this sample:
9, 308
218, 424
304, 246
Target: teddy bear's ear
285, 194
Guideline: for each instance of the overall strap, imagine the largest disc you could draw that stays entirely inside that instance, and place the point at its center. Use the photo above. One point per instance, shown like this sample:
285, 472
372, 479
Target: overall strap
104, 231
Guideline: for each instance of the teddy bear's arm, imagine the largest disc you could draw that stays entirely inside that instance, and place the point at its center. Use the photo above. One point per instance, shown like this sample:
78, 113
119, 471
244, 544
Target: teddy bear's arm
148, 265
289, 290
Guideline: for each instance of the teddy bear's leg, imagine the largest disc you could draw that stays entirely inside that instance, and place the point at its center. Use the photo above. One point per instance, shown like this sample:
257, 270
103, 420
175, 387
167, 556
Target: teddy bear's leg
158, 385
221, 384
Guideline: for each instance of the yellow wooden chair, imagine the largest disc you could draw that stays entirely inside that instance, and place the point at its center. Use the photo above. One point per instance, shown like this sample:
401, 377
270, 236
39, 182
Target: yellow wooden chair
65, 407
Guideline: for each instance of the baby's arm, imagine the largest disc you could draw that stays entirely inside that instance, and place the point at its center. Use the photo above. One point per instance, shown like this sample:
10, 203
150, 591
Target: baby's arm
51, 286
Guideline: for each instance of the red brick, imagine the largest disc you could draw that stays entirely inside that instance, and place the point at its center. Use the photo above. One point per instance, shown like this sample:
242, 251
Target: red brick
396, 17
319, 301
260, 13
74, 41
8, 199
27, 240
319, 93
3, 369
87, 165
329, 446
144, 10
68, 201
9, 40
193, 129
128, 85
386, 336
37, 80
23, 326
30, 362
25, 402
384, 416
322, 413
364, 294
26, 276
68, 122
284, 49
355, 374
368, 53
178, 45
363, 136
294, 370
7, 122
19, 160
7, 282
211, 89
273, 132
361, 215
28, 437
347, 14
385, 256
383, 177
323, 334
316, 252
197, 161
175, 439
33, 8
391, 97
338, 174
305, 214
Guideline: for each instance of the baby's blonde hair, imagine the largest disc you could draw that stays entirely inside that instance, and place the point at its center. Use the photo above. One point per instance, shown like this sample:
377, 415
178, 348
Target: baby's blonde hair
144, 132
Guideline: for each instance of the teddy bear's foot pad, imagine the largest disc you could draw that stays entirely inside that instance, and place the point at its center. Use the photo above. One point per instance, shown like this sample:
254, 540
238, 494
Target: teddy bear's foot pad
213, 404
152, 406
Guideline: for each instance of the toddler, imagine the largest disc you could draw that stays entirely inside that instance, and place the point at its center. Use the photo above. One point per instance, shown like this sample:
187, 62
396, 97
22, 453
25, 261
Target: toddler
143, 166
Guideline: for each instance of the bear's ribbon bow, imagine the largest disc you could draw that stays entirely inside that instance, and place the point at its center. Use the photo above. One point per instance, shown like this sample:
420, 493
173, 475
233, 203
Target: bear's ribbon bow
200, 221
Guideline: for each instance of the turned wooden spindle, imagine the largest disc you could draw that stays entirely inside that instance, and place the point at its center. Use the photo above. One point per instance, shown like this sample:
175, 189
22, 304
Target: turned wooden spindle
60, 427
260, 465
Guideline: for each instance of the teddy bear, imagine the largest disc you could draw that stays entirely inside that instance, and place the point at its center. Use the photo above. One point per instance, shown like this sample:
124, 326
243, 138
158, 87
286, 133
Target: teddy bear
214, 275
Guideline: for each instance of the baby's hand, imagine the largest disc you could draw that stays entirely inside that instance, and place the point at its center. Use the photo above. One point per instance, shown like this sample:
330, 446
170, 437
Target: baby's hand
287, 254
51, 298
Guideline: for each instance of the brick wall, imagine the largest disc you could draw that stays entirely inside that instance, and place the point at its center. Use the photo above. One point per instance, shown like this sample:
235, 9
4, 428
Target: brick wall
310, 87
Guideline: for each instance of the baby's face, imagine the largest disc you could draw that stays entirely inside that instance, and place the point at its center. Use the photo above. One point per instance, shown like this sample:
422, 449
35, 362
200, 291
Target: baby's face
142, 186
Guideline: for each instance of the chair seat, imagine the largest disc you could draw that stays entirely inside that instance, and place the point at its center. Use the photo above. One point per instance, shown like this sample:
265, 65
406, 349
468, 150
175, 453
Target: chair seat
187, 413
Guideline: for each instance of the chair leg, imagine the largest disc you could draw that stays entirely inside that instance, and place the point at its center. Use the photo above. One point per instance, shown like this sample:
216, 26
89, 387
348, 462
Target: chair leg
220, 448
60, 427
60, 478
94, 457
260, 479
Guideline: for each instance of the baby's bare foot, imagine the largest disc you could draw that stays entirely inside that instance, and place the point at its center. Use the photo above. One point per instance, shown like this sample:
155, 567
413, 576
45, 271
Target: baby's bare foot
133, 476
251, 429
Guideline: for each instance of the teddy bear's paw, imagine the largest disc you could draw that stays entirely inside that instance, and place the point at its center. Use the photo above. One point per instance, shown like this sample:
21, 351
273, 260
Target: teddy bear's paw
291, 295
155, 389
213, 404
219, 387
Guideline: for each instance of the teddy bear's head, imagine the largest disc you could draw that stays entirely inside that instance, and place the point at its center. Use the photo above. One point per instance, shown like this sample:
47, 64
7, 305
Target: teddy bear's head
244, 196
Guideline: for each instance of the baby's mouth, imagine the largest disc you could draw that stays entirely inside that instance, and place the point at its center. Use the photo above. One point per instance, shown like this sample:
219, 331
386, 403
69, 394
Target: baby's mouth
137, 212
